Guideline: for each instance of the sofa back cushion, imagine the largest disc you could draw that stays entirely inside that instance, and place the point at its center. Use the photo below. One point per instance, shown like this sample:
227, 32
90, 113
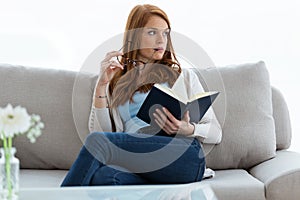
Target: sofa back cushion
48, 93
63, 100
244, 109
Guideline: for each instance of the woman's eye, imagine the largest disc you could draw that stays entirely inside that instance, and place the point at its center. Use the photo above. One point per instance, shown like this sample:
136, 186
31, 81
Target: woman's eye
151, 32
166, 33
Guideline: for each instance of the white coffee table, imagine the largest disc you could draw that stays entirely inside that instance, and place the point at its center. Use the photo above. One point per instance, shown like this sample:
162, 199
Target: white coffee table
143, 192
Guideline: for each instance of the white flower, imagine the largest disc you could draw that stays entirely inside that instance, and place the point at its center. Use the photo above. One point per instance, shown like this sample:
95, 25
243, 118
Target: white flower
14, 121
35, 117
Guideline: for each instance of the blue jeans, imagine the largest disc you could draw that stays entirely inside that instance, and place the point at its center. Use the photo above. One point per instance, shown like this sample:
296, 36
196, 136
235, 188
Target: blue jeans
124, 159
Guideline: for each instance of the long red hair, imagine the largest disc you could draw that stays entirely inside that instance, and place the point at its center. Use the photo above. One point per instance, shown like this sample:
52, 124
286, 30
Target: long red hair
124, 83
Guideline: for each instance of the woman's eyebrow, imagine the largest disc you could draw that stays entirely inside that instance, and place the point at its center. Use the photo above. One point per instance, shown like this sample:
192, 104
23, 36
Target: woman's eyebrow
157, 28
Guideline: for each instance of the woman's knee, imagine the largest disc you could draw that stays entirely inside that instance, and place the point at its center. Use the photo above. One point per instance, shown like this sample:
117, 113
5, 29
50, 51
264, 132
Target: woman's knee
96, 144
95, 139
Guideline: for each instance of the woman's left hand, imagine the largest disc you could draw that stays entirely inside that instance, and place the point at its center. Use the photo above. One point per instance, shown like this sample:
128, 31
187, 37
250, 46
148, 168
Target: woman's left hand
171, 125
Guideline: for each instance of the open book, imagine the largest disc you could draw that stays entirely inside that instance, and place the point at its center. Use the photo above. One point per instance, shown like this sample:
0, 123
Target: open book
176, 100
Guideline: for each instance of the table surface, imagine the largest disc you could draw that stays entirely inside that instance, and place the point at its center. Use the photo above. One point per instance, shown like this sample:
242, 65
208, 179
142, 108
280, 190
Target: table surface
144, 192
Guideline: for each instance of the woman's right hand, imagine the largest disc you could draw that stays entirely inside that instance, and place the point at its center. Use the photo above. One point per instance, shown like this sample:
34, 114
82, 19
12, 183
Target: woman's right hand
109, 67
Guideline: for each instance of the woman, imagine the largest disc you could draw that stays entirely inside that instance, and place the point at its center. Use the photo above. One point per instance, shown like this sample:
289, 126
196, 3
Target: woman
118, 152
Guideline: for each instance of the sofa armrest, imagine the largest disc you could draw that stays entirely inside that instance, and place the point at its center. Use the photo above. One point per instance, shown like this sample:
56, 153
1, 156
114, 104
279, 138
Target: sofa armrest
281, 175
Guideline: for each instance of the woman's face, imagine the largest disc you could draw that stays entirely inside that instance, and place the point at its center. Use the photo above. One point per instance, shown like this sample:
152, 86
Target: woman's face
154, 39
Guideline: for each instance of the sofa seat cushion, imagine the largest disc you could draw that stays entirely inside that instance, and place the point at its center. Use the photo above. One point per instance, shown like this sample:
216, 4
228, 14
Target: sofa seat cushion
236, 184
227, 184
281, 175
31, 178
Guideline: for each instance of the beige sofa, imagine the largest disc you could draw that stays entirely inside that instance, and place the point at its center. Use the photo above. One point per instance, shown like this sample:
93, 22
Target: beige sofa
250, 163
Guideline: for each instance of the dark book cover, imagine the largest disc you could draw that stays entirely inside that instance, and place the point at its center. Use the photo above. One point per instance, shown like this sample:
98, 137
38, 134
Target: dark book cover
158, 99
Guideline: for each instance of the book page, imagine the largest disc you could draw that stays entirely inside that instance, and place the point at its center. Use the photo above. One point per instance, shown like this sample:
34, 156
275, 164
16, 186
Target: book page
170, 92
201, 95
180, 89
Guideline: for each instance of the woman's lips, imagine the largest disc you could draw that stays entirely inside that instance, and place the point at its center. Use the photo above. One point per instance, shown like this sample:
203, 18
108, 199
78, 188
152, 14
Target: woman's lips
159, 49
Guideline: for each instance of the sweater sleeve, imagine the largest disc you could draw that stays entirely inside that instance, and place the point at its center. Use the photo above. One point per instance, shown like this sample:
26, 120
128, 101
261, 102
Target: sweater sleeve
99, 120
208, 129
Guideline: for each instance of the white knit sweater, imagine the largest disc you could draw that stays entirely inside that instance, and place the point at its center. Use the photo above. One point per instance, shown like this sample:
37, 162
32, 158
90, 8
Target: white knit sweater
208, 130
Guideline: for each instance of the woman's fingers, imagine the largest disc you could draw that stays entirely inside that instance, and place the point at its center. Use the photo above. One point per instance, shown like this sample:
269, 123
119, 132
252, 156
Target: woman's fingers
164, 123
163, 127
115, 64
112, 54
159, 120
186, 117
170, 116
171, 125
109, 66
172, 121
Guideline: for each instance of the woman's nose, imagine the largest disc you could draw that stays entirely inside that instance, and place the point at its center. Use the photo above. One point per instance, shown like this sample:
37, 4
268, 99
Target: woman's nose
160, 38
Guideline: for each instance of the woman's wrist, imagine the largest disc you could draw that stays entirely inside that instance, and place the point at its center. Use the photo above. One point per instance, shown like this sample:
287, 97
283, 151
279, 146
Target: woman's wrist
192, 128
101, 89
100, 101
100, 96
102, 83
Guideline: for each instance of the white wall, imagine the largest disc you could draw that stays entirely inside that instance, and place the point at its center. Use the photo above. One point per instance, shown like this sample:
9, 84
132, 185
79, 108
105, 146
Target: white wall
61, 34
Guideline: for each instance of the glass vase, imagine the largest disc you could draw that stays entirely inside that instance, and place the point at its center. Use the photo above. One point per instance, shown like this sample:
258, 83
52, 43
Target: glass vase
9, 174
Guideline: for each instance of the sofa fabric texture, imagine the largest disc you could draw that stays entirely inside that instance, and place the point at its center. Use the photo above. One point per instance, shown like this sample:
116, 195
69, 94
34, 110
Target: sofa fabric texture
280, 175
248, 124
253, 115
63, 99
47, 93
281, 114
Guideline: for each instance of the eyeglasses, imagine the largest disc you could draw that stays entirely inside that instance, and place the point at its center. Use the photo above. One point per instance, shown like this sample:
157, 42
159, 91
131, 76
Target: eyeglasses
125, 61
